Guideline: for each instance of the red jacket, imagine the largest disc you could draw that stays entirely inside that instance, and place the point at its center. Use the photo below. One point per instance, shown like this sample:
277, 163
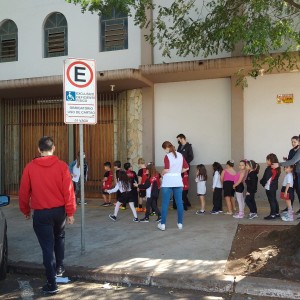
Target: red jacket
46, 183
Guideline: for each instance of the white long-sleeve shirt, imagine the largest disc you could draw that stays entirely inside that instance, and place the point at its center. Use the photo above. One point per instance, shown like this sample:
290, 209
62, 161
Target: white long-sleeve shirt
217, 180
118, 187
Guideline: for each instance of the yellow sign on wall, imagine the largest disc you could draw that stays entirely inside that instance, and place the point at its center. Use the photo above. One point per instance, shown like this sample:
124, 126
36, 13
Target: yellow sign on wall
285, 98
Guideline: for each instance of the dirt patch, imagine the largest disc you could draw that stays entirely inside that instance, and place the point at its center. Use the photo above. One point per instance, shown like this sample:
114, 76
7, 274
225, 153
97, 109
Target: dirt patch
271, 251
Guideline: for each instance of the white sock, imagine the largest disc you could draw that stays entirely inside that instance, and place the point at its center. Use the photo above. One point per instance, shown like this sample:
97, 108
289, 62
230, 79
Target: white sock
131, 205
117, 208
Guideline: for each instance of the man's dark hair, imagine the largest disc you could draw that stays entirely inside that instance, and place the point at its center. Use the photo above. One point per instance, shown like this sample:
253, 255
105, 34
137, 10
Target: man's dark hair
117, 164
181, 136
46, 143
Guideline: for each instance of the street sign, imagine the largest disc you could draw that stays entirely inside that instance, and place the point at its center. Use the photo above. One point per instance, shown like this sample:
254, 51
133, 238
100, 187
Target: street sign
80, 91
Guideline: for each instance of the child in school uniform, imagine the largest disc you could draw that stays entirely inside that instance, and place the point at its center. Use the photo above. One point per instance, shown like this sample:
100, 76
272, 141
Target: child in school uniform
217, 189
142, 176
287, 193
239, 189
125, 195
152, 187
251, 187
107, 183
270, 183
133, 179
201, 178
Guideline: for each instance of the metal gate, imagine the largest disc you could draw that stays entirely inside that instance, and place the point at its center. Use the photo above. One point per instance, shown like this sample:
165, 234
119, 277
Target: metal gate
26, 120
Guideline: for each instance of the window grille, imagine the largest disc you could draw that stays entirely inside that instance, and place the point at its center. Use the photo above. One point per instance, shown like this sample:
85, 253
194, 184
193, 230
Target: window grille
56, 35
114, 32
8, 41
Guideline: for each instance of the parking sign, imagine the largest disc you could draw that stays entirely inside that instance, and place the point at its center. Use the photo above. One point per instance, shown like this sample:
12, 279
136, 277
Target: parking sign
80, 91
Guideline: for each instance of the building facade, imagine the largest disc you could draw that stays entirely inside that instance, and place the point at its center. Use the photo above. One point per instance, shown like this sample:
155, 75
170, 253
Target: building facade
143, 99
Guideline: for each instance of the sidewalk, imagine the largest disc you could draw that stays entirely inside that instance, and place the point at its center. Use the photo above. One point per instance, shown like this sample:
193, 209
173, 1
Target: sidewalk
140, 254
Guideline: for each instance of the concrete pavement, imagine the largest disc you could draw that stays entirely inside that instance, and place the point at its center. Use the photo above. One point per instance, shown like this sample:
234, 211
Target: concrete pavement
139, 253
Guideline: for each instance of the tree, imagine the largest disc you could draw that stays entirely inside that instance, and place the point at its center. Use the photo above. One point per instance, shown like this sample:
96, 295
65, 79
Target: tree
265, 30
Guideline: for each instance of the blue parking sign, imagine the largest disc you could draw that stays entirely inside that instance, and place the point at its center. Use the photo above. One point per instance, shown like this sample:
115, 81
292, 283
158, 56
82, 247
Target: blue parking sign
70, 96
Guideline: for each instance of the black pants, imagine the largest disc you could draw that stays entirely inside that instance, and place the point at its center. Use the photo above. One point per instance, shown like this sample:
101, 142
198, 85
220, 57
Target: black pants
217, 199
151, 204
274, 207
49, 227
250, 201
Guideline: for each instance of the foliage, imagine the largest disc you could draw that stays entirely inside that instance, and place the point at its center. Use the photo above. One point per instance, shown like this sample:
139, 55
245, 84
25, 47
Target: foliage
255, 28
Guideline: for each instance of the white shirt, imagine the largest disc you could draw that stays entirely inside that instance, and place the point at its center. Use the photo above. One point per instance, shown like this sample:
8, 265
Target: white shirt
217, 180
201, 185
288, 179
173, 177
76, 171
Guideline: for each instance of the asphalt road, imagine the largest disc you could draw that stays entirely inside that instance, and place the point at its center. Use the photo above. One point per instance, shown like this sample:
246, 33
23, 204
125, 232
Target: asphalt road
24, 287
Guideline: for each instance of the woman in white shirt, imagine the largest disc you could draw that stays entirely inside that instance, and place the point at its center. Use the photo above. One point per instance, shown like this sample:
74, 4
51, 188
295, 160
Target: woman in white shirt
174, 165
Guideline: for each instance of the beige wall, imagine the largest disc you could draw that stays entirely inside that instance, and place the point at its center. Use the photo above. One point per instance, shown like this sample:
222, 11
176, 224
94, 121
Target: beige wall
268, 125
199, 109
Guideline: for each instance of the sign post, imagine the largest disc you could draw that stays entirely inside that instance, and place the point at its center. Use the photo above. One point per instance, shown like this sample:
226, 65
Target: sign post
80, 107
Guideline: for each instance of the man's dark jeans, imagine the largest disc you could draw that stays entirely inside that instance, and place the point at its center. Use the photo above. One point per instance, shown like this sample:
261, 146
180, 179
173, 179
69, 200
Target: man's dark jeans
49, 227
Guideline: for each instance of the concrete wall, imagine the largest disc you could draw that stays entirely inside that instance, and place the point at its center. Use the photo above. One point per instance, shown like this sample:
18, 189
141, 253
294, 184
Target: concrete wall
83, 39
269, 126
199, 109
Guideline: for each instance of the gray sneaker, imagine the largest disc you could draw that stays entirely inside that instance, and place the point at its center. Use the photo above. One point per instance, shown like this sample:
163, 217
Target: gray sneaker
252, 216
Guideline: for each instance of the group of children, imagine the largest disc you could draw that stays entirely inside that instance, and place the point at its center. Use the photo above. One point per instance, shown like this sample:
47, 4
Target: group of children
133, 188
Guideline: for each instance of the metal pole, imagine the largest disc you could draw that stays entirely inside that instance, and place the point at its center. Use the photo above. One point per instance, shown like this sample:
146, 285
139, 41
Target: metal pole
82, 187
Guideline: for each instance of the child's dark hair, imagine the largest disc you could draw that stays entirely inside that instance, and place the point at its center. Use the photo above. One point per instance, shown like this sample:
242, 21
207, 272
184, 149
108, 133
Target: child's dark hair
107, 164
201, 172
273, 159
217, 167
124, 180
117, 164
295, 137
253, 165
127, 166
230, 163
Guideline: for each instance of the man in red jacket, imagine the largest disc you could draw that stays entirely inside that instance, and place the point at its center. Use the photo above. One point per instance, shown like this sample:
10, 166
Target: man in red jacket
46, 188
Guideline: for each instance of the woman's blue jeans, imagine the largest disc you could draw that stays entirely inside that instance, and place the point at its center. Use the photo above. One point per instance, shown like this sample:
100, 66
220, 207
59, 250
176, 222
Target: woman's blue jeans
166, 196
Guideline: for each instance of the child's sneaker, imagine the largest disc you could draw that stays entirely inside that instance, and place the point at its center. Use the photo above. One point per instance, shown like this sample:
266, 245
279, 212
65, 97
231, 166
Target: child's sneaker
214, 212
252, 216
135, 220
288, 218
239, 215
162, 227
144, 220
153, 214
112, 217
200, 212
179, 225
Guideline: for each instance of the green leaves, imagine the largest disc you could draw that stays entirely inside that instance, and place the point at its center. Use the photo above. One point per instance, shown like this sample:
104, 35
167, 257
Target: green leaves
257, 27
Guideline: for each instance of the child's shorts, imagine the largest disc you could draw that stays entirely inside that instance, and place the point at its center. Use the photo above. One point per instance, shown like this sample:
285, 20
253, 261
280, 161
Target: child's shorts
201, 194
104, 193
290, 193
228, 189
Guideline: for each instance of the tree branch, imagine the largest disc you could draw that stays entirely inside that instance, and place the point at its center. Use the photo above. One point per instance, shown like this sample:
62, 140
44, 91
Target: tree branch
293, 3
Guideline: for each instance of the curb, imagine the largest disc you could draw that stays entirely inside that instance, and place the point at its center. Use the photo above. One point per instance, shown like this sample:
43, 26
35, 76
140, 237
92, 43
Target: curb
252, 286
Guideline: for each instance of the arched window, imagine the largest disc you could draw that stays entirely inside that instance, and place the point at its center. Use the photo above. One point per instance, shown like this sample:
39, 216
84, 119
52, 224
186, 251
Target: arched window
8, 41
114, 31
56, 35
